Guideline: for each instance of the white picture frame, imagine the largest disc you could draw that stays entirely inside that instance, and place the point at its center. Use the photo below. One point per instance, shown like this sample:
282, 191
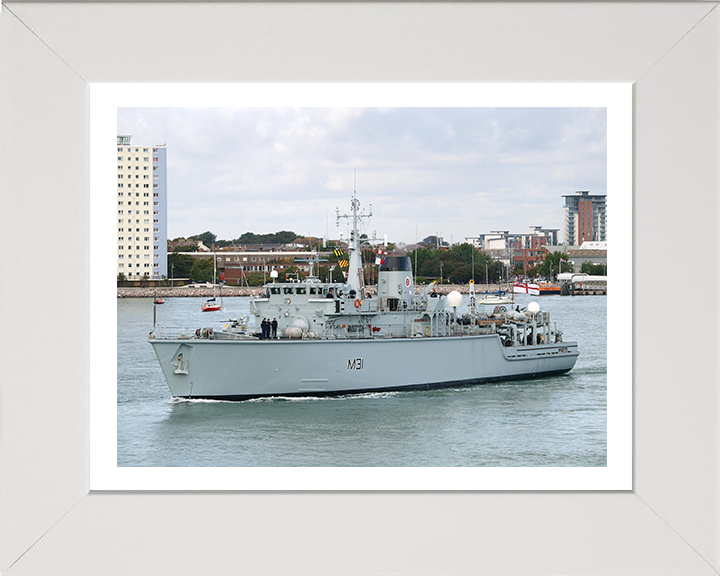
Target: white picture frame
51, 52
106, 99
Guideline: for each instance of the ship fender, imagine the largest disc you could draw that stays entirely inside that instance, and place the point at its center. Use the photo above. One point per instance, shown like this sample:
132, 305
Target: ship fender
293, 333
300, 322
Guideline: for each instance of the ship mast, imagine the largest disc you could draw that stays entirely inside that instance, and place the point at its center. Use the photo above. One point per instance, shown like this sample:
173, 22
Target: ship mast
355, 273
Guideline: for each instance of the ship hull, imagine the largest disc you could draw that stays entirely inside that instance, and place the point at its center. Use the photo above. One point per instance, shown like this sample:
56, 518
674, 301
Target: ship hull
246, 369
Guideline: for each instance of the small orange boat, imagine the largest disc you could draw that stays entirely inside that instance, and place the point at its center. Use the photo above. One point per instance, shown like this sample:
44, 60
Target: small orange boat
547, 288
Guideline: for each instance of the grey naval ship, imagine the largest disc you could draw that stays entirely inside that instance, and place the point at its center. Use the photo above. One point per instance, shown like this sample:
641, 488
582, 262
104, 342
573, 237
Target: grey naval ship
335, 338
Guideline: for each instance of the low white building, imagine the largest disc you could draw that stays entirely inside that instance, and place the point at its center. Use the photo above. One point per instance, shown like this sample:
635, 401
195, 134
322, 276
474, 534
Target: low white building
582, 255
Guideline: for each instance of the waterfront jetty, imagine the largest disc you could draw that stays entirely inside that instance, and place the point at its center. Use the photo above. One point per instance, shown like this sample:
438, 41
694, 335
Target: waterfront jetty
582, 285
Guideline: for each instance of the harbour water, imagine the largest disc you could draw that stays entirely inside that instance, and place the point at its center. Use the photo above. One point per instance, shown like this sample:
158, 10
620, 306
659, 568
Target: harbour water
554, 421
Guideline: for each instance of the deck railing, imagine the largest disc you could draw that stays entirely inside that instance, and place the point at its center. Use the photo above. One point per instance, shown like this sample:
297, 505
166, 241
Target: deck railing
173, 333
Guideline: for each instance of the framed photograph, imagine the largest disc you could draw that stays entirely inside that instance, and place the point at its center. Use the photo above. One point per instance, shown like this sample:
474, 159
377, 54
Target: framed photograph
590, 127
66, 495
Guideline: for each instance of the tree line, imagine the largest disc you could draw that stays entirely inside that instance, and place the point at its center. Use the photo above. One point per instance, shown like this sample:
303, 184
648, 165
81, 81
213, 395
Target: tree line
457, 265
463, 262
210, 239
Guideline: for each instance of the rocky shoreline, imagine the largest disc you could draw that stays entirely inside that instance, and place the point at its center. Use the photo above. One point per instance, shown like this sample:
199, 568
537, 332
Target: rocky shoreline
232, 291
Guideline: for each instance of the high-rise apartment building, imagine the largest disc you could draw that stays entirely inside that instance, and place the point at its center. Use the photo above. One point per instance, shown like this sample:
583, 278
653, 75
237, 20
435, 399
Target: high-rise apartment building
584, 218
141, 210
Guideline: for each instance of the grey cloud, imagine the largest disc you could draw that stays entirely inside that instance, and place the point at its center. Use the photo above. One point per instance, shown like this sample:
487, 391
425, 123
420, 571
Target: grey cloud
459, 171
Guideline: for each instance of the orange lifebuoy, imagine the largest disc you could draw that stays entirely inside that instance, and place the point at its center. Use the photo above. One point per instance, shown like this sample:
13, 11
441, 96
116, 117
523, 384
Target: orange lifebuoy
358, 302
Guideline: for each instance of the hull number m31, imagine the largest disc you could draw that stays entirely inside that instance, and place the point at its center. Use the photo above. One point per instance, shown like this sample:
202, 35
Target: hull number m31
355, 363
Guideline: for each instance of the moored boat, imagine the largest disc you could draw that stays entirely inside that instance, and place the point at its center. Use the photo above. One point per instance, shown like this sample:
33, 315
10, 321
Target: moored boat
498, 298
526, 288
547, 288
211, 304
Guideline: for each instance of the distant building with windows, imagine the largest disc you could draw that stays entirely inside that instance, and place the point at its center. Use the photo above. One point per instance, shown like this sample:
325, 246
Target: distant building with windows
514, 250
504, 240
584, 218
234, 264
141, 210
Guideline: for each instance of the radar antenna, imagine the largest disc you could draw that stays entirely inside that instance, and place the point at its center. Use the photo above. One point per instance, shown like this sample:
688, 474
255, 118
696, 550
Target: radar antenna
355, 273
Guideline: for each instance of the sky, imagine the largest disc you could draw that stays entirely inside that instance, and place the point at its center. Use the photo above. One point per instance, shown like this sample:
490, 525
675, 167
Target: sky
453, 172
